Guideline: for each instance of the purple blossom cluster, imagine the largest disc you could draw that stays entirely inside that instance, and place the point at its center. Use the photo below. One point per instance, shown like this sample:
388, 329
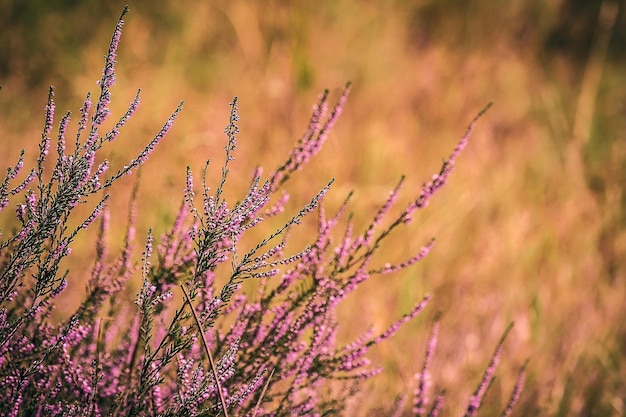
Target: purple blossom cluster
192, 342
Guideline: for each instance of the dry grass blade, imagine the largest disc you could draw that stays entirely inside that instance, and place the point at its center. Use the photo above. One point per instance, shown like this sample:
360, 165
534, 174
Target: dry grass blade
208, 352
590, 85
267, 384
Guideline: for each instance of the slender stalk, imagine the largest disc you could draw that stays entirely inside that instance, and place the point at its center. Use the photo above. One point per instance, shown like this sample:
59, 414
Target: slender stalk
267, 384
208, 352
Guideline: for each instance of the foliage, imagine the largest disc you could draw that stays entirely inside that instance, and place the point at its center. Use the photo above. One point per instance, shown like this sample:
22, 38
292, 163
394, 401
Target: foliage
276, 351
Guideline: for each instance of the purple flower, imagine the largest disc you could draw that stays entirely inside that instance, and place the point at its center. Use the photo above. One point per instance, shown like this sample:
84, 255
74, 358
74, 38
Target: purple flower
155, 356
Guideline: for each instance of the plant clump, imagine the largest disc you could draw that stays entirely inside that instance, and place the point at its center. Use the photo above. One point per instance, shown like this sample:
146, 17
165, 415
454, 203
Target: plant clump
175, 356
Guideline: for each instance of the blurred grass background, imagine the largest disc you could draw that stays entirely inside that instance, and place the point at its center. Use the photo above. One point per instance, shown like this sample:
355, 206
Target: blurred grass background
530, 228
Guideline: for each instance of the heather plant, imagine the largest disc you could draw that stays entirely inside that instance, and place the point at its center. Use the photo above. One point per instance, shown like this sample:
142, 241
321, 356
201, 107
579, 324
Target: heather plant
193, 342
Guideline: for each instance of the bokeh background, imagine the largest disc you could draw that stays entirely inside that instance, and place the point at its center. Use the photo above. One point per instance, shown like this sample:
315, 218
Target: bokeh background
529, 229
